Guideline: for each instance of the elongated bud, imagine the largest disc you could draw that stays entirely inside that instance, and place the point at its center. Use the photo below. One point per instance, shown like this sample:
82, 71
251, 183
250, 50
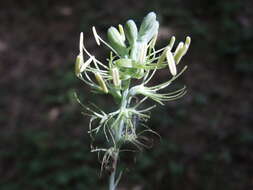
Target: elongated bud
149, 27
115, 77
182, 50
115, 37
171, 63
116, 41
131, 31
147, 22
95, 35
101, 83
147, 35
122, 33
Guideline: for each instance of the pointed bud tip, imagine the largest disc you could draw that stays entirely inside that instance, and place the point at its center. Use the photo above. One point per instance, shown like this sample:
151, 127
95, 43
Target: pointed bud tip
101, 82
130, 21
152, 14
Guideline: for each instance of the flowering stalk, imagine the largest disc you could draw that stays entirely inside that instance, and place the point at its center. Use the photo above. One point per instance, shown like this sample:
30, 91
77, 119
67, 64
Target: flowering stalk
133, 57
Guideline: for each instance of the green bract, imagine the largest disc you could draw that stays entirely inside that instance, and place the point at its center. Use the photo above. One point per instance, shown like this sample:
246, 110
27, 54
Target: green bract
125, 75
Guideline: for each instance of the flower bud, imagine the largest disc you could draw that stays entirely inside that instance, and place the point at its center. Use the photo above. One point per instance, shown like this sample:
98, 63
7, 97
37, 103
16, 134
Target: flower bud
116, 41
147, 35
101, 82
131, 31
148, 28
147, 21
171, 63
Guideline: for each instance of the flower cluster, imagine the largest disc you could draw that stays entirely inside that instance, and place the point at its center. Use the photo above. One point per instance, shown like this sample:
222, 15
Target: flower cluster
133, 57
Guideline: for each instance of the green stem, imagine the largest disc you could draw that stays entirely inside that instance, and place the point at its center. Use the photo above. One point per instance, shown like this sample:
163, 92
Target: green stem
118, 135
112, 181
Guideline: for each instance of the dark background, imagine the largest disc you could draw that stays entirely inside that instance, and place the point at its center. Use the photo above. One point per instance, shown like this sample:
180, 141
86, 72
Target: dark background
207, 136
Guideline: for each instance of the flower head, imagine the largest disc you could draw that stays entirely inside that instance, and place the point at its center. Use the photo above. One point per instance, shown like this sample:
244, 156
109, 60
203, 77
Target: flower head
133, 57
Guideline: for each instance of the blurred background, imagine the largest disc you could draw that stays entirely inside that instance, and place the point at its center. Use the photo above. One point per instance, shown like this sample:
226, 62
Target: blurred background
207, 136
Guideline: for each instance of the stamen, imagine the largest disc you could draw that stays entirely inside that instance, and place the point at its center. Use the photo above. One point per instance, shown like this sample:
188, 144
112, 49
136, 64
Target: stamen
81, 48
101, 82
171, 63
86, 64
115, 77
172, 41
179, 47
95, 35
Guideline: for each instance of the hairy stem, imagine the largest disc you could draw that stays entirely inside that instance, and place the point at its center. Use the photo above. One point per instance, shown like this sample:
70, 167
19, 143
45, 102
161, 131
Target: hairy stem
113, 182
